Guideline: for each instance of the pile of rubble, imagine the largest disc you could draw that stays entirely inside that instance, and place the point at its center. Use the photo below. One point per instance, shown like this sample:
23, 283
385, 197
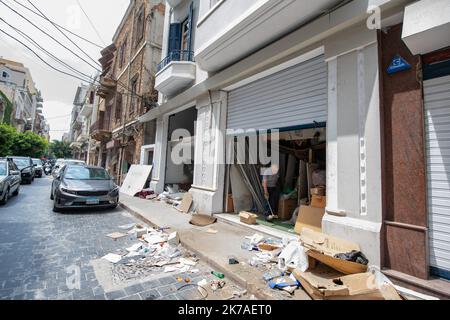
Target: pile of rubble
325, 267
154, 251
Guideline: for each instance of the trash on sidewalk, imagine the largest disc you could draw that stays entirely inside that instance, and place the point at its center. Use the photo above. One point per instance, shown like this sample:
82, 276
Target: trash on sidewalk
113, 258
186, 203
116, 235
173, 239
218, 274
287, 283
154, 238
248, 218
127, 226
294, 256
232, 260
212, 231
218, 284
325, 283
325, 248
202, 220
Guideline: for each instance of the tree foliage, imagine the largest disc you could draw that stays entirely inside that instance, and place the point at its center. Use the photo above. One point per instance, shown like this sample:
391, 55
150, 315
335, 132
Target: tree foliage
7, 138
60, 149
28, 144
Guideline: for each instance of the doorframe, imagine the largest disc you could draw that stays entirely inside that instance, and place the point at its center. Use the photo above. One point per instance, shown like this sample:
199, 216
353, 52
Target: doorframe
144, 152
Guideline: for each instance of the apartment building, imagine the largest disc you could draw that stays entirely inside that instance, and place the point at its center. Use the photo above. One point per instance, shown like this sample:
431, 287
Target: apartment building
361, 81
17, 86
127, 87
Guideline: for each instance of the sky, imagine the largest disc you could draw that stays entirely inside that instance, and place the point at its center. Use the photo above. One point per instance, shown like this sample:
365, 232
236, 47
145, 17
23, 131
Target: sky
58, 90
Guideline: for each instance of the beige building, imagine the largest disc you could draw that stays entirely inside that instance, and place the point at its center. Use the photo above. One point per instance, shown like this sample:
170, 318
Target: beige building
127, 87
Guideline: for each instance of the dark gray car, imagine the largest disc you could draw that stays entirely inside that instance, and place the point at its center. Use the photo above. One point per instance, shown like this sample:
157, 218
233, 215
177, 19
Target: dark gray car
9, 180
83, 187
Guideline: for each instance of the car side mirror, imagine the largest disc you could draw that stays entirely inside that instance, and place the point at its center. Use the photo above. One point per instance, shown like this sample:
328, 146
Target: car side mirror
15, 173
34, 165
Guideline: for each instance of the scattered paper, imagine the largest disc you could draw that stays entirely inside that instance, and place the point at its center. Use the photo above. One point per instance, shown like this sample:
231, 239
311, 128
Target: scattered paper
135, 247
170, 269
153, 239
113, 258
188, 262
212, 231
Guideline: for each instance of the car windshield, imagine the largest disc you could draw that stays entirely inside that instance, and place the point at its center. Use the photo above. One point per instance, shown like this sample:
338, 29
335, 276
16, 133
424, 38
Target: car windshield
22, 163
84, 173
2, 168
37, 162
73, 163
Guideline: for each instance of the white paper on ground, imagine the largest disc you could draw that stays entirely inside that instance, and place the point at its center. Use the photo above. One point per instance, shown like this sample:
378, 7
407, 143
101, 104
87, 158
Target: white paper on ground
188, 262
113, 258
135, 247
154, 239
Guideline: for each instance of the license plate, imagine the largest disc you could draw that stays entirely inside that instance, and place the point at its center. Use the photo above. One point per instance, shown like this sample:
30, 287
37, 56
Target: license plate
92, 201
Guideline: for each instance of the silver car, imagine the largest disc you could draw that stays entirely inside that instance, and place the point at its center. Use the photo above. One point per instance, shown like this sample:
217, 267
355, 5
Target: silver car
83, 187
9, 180
60, 163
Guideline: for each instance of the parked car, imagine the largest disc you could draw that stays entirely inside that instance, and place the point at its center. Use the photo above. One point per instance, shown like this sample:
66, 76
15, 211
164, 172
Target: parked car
26, 167
9, 180
78, 186
62, 162
38, 167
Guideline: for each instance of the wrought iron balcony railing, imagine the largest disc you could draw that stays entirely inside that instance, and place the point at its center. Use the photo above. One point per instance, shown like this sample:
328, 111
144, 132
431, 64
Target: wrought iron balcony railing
179, 55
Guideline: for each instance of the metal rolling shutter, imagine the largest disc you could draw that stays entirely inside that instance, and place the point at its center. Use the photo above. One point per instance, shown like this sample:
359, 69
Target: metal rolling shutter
437, 125
290, 98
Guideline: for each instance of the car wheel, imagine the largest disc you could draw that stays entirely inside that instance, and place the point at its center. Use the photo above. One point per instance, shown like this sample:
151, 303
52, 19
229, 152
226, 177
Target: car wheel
16, 193
5, 198
55, 208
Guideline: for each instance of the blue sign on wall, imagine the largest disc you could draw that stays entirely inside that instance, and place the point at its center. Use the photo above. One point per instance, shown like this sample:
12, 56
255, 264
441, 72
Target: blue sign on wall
398, 64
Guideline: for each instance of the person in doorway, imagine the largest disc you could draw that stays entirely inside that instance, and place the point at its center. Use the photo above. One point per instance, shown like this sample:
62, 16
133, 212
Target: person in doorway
270, 179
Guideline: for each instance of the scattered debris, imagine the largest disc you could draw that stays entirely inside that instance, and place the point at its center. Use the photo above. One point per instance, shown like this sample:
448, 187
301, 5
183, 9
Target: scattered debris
113, 258
116, 235
212, 231
173, 239
127, 226
218, 274
202, 220
232, 260
186, 203
218, 284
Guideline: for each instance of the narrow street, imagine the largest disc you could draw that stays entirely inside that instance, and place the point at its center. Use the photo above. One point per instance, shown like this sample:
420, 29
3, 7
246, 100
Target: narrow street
40, 248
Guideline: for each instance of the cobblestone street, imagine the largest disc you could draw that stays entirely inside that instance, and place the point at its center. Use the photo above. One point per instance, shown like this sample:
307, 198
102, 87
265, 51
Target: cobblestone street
40, 248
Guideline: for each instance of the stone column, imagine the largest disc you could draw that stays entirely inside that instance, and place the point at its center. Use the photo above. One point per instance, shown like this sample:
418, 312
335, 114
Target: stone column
354, 191
209, 172
160, 154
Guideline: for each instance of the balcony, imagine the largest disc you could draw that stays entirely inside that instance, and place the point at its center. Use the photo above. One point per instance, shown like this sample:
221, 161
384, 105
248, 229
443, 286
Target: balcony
100, 131
175, 73
235, 29
86, 110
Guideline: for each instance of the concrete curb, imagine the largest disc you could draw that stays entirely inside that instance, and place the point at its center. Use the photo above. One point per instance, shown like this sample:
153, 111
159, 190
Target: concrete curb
251, 288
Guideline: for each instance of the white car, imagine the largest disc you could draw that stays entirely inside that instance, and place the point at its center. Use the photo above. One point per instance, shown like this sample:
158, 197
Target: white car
60, 163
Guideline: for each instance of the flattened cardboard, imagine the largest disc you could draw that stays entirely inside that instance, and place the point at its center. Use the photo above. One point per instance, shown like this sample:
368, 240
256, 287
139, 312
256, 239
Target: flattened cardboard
323, 248
135, 180
324, 283
309, 217
186, 203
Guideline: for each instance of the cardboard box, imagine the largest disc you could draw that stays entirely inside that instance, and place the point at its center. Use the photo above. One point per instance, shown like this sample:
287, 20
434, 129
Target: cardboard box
230, 203
309, 217
319, 202
286, 208
323, 248
248, 218
324, 283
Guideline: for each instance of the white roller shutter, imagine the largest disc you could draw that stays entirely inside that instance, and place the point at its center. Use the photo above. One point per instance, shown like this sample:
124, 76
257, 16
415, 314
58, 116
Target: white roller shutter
293, 97
437, 125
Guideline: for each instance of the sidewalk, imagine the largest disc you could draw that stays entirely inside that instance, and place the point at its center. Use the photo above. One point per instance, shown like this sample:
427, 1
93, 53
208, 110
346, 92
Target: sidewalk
214, 249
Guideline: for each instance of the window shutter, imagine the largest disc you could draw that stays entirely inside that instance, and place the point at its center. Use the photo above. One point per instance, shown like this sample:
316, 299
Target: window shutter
174, 37
190, 24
